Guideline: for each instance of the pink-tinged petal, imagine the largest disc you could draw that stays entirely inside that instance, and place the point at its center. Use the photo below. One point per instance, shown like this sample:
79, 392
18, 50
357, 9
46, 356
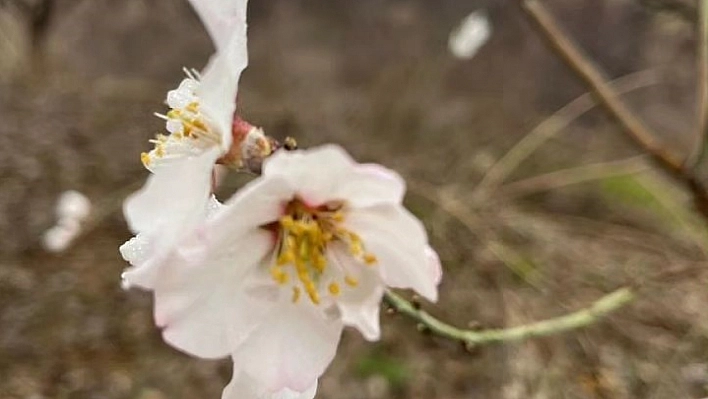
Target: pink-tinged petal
399, 241
291, 348
219, 85
221, 18
199, 299
317, 173
359, 306
244, 387
173, 198
256, 204
370, 184
434, 265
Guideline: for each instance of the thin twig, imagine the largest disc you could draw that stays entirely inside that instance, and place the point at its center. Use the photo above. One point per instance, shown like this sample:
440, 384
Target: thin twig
571, 321
610, 100
675, 7
577, 175
550, 126
702, 57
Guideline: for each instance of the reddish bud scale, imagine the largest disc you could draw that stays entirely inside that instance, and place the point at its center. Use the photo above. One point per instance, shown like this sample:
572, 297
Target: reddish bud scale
239, 131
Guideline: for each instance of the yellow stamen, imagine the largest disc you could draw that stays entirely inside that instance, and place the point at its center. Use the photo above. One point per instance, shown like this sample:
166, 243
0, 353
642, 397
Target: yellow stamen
305, 233
334, 289
370, 259
351, 281
145, 159
279, 275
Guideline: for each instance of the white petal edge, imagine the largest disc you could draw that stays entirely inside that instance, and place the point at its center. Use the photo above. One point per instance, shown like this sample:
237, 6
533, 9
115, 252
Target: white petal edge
244, 387
199, 299
291, 348
399, 241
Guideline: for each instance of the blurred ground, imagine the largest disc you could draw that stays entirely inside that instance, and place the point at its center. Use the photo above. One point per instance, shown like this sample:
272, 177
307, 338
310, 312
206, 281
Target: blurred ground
80, 82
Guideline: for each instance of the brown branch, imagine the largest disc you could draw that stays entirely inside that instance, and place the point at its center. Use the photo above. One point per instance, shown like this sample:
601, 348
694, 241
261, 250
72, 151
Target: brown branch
608, 98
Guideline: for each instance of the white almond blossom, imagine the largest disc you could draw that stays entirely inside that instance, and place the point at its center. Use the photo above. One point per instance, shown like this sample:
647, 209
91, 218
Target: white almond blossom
199, 123
284, 265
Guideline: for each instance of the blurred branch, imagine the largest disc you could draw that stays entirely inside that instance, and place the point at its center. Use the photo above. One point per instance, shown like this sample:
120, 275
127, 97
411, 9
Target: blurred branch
580, 174
678, 8
702, 56
610, 100
471, 338
551, 126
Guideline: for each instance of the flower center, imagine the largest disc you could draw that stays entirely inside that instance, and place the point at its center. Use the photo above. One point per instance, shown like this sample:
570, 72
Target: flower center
304, 235
189, 131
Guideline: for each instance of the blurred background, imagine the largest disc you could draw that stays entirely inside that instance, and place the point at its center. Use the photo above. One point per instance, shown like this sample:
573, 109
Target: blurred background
569, 215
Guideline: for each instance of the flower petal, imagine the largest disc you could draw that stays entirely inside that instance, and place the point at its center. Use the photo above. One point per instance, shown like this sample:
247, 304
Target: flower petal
221, 18
328, 173
291, 348
359, 306
399, 241
219, 85
244, 387
316, 172
173, 198
199, 300
370, 184
256, 204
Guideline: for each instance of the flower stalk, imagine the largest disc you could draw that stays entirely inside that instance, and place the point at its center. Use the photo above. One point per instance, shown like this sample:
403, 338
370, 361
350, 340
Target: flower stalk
471, 338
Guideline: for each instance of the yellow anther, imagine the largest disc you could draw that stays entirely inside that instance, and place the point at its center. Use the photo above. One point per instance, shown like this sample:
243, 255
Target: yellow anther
287, 222
334, 289
314, 297
338, 217
145, 158
174, 114
159, 150
279, 275
355, 249
193, 107
285, 258
305, 233
319, 262
351, 281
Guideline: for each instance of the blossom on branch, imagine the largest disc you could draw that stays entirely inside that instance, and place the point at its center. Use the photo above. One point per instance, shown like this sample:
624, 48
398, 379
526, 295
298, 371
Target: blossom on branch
176, 195
293, 257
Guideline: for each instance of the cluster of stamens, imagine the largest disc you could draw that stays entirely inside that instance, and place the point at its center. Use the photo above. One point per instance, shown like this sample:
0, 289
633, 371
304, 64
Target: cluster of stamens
304, 233
187, 126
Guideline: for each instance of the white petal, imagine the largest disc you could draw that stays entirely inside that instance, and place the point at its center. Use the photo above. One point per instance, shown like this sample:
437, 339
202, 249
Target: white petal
258, 203
434, 266
370, 184
221, 18
136, 250
291, 348
359, 306
244, 387
399, 241
317, 173
199, 299
219, 84
173, 199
